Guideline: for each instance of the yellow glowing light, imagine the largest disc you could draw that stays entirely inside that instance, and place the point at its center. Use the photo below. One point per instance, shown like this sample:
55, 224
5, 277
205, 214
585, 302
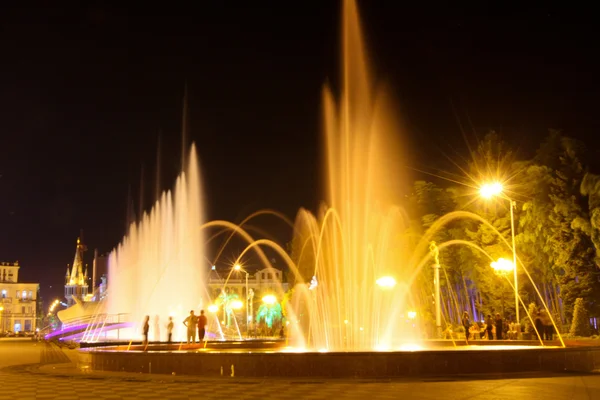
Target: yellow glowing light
412, 314
410, 347
346, 321
269, 299
502, 265
382, 347
237, 267
1, 308
386, 282
237, 304
213, 308
490, 190
323, 350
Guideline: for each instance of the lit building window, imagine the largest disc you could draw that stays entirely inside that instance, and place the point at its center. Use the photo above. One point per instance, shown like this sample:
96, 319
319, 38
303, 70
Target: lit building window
24, 294
4, 294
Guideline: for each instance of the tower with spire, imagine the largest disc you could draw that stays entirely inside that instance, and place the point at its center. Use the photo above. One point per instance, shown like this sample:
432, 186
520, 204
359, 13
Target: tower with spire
76, 285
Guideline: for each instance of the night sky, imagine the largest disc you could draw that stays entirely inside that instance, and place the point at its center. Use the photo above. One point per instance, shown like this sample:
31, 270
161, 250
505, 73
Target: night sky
86, 91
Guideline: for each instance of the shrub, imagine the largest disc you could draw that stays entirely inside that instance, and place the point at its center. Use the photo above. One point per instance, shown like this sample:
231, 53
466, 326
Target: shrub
580, 326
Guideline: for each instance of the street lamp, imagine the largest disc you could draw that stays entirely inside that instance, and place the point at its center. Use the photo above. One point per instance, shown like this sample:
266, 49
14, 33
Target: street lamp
495, 189
213, 308
386, 282
502, 267
269, 299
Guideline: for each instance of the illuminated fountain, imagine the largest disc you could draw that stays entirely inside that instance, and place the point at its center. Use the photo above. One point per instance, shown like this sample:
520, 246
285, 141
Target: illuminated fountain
358, 275
158, 268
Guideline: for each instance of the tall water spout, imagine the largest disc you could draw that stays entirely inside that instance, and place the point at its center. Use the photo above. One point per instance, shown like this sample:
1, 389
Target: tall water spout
358, 238
158, 269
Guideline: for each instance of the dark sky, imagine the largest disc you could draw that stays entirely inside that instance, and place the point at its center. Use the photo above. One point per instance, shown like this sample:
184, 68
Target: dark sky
85, 91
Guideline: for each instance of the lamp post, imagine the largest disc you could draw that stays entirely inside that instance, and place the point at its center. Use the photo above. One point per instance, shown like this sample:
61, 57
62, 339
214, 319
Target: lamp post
490, 190
238, 267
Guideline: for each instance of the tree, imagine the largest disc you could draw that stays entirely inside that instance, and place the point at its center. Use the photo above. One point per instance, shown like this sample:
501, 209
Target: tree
270, 313
581, 322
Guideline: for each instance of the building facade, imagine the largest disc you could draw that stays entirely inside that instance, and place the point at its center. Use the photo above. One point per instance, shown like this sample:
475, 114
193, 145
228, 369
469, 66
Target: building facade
268, 281
19, 306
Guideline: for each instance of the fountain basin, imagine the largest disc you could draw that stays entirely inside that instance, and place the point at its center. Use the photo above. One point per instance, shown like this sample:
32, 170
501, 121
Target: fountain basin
263, 362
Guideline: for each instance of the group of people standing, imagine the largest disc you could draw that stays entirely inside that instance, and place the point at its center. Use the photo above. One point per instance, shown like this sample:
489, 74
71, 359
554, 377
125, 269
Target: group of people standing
193, 321
195, 325
491, 326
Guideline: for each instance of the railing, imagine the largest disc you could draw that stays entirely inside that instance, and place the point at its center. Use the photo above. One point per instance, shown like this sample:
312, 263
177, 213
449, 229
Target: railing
108, 318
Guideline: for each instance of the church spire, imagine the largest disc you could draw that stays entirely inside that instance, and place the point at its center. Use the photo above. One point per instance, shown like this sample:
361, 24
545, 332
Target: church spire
77, 277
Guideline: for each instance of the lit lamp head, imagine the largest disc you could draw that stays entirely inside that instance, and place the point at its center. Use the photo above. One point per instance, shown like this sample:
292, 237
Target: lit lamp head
213, 308
412, 314
386, 282
490, 190
237, 304
502, 266
269, 299
237, 267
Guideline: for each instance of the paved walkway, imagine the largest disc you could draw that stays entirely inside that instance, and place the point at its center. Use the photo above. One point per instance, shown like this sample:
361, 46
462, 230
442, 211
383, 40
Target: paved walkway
40, 371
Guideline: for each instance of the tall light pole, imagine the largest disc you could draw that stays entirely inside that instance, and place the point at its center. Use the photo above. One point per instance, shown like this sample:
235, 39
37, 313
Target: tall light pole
495, 189
238, 267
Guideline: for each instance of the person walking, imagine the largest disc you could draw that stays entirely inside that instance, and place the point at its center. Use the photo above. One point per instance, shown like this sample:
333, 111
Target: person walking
170, 330
466, 322
146, 330
190, 323
202, 322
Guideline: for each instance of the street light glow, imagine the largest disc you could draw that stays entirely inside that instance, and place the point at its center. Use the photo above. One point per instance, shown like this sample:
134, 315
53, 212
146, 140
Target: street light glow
412, 314
269, 299
386, 282
237, 304
237, 267
502, 266
490, 190
213, 308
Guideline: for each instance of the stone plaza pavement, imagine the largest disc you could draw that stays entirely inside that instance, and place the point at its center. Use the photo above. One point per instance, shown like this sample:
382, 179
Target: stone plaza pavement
31, 370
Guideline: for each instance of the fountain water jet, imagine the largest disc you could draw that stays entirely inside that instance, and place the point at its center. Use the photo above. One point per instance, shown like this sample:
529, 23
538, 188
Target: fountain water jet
359, 236
158, 269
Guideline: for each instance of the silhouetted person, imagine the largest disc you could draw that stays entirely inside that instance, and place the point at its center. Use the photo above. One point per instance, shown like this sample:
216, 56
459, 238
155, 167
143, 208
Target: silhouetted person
170, 330
202, 322
146, 329
466, 322
489, 322
190, 322
499, 327
539, 326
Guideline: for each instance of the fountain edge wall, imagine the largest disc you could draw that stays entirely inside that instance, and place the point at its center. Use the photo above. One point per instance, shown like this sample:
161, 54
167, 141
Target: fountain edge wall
347, 365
